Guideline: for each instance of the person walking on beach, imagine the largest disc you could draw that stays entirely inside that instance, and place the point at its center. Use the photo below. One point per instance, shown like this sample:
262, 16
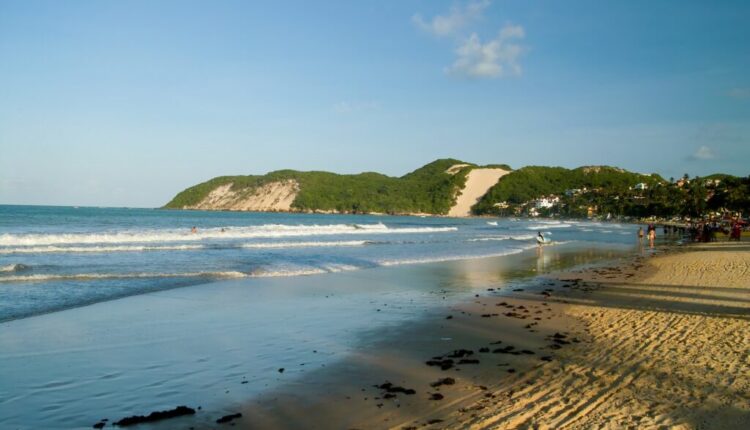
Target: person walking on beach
651, 233
736, 232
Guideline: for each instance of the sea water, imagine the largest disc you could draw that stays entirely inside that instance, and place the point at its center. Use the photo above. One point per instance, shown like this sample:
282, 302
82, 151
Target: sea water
110, 312
52, 258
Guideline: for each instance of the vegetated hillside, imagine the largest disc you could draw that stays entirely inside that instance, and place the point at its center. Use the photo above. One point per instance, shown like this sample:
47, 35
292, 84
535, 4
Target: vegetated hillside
428, 189
532, 182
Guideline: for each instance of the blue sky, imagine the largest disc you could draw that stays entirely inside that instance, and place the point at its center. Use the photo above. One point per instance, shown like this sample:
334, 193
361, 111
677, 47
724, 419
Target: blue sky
126, 103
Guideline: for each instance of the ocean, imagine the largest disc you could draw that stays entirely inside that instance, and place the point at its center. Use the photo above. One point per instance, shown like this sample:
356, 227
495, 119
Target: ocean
53, 258
110, 312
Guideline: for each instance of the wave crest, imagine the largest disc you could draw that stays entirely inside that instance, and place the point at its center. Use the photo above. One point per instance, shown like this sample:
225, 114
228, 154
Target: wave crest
93, 276
14, 267
183, 235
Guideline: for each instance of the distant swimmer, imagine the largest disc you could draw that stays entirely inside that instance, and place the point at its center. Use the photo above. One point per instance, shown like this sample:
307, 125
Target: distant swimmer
194, 230
540, 238
223, 230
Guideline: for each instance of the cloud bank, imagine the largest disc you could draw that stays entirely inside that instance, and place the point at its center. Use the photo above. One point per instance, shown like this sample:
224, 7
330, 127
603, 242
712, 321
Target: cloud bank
457, 18
703, 153
497, 57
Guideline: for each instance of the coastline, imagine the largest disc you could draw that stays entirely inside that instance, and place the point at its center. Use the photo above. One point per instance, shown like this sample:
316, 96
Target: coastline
666, 346
655, 341
558, 337
220, 345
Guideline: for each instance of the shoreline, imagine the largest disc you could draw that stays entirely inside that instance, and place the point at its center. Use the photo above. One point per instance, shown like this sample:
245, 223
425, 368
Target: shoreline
218, 345
618, 345
558, 337
666, 347
491, 346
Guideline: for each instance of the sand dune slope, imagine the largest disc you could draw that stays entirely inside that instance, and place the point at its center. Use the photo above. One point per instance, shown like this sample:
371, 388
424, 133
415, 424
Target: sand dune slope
478, 182
273, 196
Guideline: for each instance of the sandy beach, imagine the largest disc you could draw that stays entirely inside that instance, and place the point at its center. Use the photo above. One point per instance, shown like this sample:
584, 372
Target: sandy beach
554, 337
655, 342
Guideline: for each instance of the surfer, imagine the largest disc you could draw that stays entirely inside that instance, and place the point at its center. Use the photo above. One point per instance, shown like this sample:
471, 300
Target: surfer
539, 238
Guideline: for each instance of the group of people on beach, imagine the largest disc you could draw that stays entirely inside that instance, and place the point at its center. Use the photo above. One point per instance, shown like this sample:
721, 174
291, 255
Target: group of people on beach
706, 231
702, 231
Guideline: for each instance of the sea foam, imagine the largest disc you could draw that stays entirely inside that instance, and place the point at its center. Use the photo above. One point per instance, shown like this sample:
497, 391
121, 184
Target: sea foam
171, 235
94, 276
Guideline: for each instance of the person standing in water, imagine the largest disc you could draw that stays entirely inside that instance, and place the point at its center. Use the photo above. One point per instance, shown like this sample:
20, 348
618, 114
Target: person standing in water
640, 234
194, 230
539, 238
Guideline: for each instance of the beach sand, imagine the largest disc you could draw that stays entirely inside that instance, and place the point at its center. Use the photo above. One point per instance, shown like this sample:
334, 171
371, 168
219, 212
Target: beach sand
658, 342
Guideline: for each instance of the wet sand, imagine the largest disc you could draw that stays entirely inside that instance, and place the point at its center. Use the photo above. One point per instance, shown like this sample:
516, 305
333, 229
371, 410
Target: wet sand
636, 342
655, 342
220, 348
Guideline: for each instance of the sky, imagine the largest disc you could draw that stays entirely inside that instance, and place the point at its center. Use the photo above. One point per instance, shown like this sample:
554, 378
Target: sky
108, 103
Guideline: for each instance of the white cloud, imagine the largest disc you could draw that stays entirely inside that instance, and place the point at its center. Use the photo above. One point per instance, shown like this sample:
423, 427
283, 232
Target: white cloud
457, 18
703, 153
739, 93
345, 107
496, 58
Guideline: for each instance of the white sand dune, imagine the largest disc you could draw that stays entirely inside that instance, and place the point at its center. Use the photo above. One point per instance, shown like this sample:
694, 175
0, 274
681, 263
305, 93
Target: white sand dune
273, 197
478, 182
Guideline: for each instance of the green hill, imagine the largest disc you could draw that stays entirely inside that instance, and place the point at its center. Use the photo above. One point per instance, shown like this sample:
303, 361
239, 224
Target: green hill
533, 182
433, 189
428, 189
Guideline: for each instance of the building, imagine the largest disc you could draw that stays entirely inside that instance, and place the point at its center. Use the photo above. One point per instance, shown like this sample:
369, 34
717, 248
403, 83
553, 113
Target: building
546, 202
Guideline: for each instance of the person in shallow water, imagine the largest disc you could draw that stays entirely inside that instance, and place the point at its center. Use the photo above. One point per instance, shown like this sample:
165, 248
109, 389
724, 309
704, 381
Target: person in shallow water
194, 230
539, 238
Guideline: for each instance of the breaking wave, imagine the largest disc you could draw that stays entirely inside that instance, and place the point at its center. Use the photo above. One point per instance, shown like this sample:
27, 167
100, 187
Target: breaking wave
547, 225
504, 237
142, 248
451, 258
306, 244
14, 267
260, 231
121, 248
93, 276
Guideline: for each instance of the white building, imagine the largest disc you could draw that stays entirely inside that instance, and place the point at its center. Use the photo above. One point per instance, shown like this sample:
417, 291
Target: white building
546, 202
641, 186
